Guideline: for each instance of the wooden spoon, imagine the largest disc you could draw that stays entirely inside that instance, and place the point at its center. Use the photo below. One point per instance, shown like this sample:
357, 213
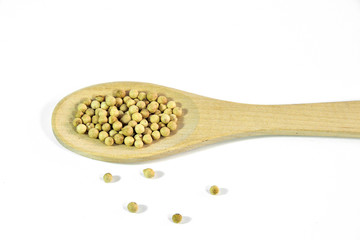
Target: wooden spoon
206, 120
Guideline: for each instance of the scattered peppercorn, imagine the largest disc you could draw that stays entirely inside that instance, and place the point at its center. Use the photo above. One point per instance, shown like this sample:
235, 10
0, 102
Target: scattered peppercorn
214, 190
176, 218
149, 173
107, 177
133, 207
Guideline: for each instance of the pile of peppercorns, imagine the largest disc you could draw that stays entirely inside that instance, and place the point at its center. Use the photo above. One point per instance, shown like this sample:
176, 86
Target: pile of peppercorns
132, 118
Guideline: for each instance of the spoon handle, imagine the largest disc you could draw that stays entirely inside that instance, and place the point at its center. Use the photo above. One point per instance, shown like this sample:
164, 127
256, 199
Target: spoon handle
337, 119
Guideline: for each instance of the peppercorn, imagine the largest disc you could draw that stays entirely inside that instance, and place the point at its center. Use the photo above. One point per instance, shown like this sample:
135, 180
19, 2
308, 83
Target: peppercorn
126, 99
120, 93
112, 133
82, 107
162, 107
149, 173
138, 137
139, 128
162, 100
141, 104
165, 131
98, 126
152, 107
110, 100
144, 122
138, 143
132, 207
79, 114
117, 126
95, 104
147, 139
103, 135
147, 131
171, 104
177, 111
145, 113
102, 112
113, 111
119, 101
81, 128
103, 119
142, 96
127, 131
154, 119
119, 138
165, 118
107, 177
93, 133
133, 109
172, 125
132, 123
154, 126
104, 106
129, 141
77, 121
87, 101
123, 107
99, 98
214, 190
109, 141
89, 126
156, 135
136, 117
176, 218
168, 111
106, 127
133, 93
130, 102
126, 118
173, 117
90, 112
112, 119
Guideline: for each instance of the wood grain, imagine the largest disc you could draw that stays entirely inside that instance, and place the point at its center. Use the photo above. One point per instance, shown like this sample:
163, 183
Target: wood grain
205, 121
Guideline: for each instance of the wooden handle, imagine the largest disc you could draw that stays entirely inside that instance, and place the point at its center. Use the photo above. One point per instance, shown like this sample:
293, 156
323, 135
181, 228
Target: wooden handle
230, 120
338, 119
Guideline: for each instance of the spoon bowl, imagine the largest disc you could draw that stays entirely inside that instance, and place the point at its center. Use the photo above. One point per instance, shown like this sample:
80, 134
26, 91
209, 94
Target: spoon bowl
205, 121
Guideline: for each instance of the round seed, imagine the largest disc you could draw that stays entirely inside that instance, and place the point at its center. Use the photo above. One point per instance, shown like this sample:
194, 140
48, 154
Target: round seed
81, 128
147, 139
214, 190
107, 177
132, 207
149, 173
77, 121
110, 100
119, 138
109, 141
139, 128
138, 144
176, 218
103, 135
129, 141
165, 131
127, 131
93, 133
156, 135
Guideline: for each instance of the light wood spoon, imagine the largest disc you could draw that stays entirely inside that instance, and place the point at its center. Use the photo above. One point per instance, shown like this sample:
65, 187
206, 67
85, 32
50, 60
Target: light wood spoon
205, 121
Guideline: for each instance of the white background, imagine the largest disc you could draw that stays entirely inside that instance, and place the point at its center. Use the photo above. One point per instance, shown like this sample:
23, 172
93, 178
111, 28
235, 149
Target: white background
263, 51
